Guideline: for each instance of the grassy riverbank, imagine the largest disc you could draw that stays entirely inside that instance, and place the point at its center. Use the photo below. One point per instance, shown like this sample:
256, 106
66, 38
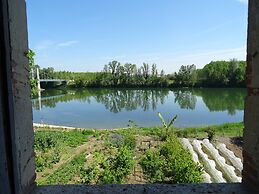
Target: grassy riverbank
133, 155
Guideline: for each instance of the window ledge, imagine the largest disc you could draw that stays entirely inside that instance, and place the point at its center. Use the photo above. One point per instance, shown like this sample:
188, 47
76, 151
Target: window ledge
147, 188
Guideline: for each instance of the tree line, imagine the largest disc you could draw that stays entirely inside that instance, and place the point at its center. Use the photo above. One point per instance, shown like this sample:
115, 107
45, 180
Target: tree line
115, 74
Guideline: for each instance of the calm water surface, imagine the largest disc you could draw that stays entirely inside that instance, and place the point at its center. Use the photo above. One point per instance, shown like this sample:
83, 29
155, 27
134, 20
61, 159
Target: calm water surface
113, 108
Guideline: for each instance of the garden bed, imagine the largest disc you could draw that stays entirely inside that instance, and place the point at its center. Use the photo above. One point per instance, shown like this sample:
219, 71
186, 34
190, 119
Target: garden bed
129, 156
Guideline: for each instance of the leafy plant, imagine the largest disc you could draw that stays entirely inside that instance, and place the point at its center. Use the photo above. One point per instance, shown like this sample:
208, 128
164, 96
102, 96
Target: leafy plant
66, 172
109, 170
119, 167
125, 139
211, 133
50, 145
33, 82
166, 125
153, 165
171, 164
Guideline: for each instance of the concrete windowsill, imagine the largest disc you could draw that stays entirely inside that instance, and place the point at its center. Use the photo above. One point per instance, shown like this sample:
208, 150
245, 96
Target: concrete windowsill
147, 188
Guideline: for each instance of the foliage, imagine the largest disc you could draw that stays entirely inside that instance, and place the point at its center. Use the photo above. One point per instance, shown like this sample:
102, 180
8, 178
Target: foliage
48, 139
109, 170
33, 82
166, 125
47, 73
50, 145
47, 159
123, 139
227, 129
66, 172
224, 73
171, 164
119, 167
153, 165
115, 74
211, 133
167, 163
187, 76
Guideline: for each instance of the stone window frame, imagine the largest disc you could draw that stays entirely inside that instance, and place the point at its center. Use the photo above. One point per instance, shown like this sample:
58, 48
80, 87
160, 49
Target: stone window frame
17, 165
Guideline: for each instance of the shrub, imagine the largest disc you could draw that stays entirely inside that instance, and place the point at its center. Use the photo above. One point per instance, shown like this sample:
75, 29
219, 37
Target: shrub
46, 160
182, 133
44, 141
153, 165
109, 170
125, 139
211, 133
171, 164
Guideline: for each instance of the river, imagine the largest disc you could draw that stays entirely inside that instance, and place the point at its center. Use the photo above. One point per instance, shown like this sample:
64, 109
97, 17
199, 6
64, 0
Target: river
113, 108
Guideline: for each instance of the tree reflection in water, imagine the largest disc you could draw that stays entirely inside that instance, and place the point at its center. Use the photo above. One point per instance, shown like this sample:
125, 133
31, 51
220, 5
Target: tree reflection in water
185, 99
117, 100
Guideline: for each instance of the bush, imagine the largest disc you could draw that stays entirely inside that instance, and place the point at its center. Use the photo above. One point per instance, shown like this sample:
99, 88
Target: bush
46, 160
182, 133
211, 133
125, 139
119, 167
44, 141
171, 164
109, 170
153, 165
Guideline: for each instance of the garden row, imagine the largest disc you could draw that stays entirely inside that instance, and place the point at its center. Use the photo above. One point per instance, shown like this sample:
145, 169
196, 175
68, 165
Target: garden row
133, 155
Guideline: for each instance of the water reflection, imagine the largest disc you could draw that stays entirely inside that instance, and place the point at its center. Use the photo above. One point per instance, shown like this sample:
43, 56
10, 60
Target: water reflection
118, 100
114, 100
185, 98
230, 100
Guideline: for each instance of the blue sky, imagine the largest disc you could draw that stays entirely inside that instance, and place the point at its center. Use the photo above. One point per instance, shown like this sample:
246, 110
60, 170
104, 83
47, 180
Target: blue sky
83, 35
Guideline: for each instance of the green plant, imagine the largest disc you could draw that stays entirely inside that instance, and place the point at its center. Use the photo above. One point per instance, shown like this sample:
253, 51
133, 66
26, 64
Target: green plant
33, 83
66, 172
47, 159
166, 125
51, 145
89, 175
119, 167
109, 170
211, 133
153, 165
44, 141
182, 133
123, 139
171, 164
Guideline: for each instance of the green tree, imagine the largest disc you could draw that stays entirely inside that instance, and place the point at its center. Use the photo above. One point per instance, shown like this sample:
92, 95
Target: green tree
145, 70
154, 70
186, 76
47, 73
